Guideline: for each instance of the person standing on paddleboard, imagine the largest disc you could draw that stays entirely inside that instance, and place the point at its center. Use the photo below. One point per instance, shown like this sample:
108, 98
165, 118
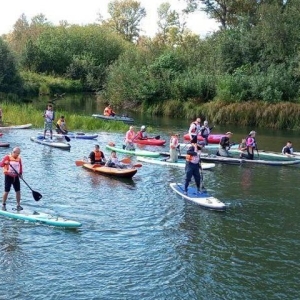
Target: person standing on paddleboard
174, 144
193, 165
11, 178
49, 116
194, 130
129, 139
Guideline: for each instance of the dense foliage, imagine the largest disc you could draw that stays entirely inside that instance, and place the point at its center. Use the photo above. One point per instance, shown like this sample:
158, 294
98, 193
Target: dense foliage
253, 57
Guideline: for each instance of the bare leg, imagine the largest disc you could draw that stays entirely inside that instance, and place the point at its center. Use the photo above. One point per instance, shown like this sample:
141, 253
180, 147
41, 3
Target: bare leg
4, 198
18, 197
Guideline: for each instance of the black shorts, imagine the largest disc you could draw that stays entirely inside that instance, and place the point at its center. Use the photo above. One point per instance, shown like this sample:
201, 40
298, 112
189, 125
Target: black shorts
11, 181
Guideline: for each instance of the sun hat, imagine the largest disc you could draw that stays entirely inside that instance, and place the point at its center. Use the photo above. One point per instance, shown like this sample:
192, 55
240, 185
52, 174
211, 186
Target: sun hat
228, 132
252, 132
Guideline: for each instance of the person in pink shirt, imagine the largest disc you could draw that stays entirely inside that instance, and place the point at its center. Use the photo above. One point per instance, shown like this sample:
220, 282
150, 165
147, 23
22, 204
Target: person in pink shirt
12, 168
129, 139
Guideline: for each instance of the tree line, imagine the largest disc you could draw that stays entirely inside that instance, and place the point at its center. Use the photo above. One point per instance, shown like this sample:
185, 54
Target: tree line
253, 56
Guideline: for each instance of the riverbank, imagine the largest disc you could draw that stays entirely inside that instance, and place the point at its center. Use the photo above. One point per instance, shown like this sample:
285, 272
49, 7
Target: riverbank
254, 114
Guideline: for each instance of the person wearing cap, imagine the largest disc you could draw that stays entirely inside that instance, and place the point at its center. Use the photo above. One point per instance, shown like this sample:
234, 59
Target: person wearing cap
225, 145
108, 111
174, 144
194, 130
205, 131
142, 134
251, 146
193, 166
97, 156
61, 126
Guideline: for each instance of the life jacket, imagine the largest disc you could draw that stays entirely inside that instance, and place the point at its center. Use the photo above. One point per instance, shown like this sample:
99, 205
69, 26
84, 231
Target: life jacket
107, 111
16, 163
205, 131
130, 135
194, 159
98, 155
287, 150
224, 142
174, 142
250, 142
140, 135
194, 129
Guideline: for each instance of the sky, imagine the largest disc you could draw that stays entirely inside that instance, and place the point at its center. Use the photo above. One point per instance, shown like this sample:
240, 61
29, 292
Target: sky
84, 12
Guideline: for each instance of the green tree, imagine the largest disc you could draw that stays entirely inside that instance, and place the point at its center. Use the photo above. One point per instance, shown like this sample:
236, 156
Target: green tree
10, 80
125, 18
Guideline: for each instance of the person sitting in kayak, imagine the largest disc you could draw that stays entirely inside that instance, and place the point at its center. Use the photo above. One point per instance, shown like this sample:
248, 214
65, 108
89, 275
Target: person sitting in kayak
61, 126
97, 156
113, 161
129, 139
205, 131
251, 146
108, 111
225, 145
288, 149
142, 134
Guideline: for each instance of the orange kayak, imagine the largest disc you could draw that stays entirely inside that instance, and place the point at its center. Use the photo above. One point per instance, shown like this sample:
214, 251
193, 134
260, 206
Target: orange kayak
116, 172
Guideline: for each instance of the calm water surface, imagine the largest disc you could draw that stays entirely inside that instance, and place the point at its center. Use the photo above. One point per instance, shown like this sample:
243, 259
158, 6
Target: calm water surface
140, 241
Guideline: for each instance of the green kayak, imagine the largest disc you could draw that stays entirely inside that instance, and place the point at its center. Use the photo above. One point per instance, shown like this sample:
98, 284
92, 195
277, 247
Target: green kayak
134, 152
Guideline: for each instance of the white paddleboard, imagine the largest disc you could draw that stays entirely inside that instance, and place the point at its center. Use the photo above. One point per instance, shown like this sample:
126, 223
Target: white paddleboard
204, 199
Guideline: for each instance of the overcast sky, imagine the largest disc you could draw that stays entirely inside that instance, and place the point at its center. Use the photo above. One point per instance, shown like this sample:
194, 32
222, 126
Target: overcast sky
86, 12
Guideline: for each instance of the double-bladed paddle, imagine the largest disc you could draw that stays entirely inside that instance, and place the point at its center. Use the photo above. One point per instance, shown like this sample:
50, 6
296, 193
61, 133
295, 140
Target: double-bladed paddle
36, 195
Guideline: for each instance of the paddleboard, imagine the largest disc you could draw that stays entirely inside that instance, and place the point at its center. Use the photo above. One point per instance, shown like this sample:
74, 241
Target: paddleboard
180, 163
134, 152
39, 217
73, 135
25, 126
54, 144
204, 199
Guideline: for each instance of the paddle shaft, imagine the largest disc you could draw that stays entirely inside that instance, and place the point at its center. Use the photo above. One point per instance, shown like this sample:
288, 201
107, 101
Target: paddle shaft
36, 195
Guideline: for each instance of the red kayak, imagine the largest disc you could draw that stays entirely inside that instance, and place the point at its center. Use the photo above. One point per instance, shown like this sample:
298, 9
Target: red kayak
1, 133
150, 141
212, 138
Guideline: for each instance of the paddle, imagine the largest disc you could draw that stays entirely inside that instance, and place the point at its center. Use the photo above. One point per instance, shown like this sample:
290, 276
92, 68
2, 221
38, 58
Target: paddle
80, 163
67, 138
36, 195
202, 188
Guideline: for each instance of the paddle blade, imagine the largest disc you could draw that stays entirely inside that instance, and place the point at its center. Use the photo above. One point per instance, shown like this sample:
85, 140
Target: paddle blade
67, 138
157, 137
97, 166
126, 160
36, 195
80, 163
137, 165
111, 144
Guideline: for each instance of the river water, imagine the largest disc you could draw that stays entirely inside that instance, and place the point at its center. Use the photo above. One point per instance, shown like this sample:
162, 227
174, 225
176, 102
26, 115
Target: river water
139, 240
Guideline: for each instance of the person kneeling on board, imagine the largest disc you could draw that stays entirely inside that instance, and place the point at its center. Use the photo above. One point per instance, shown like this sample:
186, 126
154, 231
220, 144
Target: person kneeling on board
97, 156
113, 161
193, 165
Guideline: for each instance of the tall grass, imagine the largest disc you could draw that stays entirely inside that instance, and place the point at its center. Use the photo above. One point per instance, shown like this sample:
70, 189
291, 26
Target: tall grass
26, 113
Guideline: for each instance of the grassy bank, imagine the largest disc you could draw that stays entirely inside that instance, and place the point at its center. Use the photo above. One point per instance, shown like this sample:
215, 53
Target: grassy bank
255, 114
26, 113
284, 115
